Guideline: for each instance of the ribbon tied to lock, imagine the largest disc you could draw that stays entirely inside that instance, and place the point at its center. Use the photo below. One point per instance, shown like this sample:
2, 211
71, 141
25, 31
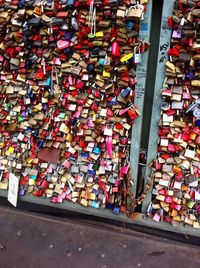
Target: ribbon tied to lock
92, 20
54, 88
108, 131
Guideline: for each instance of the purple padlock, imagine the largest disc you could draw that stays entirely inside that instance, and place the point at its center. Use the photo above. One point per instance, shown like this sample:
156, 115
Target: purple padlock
177, 34
22, 191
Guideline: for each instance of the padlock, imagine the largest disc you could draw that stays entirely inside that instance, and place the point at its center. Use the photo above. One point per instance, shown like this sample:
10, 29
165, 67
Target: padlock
137, 57
108, 131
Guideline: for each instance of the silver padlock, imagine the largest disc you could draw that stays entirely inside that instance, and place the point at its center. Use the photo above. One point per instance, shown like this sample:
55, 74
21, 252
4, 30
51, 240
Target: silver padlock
196, 111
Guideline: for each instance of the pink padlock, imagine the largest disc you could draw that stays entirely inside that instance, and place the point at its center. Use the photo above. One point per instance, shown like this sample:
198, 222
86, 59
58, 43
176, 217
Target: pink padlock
178, 207
190, 42
61, 44
59, 199
168, 199
63, 195
115, 49
68, 197
125, 169
90, 122
56, 61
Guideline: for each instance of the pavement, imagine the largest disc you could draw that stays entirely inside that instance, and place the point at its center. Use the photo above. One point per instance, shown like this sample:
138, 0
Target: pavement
32, 240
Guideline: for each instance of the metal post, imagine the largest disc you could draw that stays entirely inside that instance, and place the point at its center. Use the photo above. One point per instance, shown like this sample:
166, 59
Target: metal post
165, 36
139, 97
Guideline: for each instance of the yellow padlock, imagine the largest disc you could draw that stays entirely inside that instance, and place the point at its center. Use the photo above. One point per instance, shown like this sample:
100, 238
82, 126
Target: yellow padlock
1, 145
99, 34
106, 74
11, 150
126, 57
29, 160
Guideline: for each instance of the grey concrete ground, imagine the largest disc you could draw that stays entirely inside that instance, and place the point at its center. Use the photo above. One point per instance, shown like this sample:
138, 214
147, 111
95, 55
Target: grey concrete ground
29, 240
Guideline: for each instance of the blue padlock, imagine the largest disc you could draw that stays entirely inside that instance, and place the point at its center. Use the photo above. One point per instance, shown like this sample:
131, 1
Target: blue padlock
190, 75
109, 206
40, 143
95, 204
72, 121
129, 25
112, 102
29, 129
125, 93
48, 82
91, 172
84, 155
96, 150
116, 210
95, 191
197, 122
70, 3
21, 3
101, 61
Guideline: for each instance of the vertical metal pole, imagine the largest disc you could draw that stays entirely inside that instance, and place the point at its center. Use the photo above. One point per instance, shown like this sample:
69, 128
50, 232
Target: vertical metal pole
145, 28
165, 35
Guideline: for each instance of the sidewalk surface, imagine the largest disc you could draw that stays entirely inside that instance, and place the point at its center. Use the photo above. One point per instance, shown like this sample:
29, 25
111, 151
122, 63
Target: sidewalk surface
30, 240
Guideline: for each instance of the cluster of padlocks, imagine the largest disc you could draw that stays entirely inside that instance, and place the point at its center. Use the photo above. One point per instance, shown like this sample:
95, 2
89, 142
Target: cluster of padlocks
176, 169
67, 80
